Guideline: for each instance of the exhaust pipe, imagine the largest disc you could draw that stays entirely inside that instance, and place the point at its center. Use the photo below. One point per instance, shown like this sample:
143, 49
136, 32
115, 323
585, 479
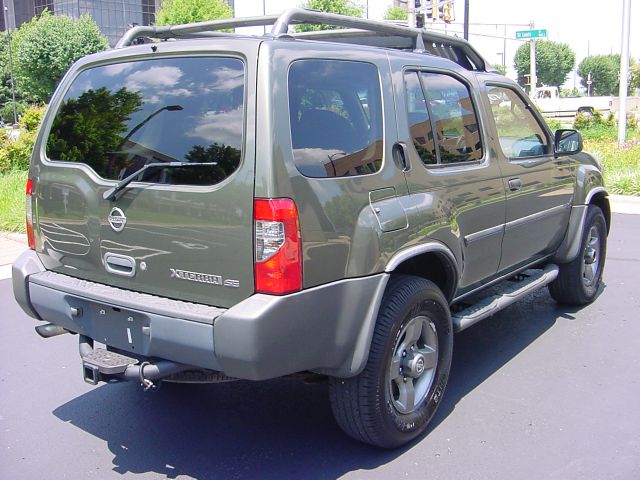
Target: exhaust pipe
50, 330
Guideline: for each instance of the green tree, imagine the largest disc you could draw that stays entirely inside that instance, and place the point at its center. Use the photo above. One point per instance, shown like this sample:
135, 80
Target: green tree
6, 98
554, 61
47, 46
502, 70
343, 7
395, 13
605, 72
175, 12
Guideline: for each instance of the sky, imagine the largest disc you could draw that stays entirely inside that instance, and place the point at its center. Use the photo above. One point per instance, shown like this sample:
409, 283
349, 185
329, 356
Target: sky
588, 26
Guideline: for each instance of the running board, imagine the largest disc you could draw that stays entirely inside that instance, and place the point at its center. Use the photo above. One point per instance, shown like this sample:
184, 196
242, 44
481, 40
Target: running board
510, 292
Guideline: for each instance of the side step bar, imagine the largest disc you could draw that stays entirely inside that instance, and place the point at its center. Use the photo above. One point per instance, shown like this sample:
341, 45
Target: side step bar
510, 293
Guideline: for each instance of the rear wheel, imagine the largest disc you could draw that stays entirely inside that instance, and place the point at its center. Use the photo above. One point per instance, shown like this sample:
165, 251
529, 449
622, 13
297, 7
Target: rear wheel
393, 399
578, 281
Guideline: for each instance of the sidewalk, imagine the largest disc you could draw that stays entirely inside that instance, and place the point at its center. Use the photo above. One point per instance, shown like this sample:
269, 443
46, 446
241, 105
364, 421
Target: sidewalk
13, 244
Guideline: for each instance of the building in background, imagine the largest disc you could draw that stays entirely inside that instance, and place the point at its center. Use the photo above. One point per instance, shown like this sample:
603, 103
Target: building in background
113, 17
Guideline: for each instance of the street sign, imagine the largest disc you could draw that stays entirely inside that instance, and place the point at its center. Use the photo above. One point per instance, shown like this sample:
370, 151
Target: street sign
524, 34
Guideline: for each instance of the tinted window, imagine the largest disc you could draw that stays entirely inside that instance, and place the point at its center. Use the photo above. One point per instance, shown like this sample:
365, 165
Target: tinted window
335, 111
117, 118
454, 118
519, 132
419, 123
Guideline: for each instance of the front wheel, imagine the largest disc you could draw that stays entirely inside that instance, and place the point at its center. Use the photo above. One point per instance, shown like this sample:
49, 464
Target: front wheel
578, 281
393, 399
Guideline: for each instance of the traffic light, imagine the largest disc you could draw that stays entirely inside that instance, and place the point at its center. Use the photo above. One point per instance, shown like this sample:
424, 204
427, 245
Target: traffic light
447, 12
417, 4
420, 20
432, 11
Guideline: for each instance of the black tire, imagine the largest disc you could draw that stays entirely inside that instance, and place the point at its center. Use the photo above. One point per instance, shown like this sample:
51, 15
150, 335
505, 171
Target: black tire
365, 406
577, 283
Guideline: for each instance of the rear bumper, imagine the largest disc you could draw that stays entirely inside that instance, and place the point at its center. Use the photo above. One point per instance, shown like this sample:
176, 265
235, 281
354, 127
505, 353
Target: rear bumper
326, 329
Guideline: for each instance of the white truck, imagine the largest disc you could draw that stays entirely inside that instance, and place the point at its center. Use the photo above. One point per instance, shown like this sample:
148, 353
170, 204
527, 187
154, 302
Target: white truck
548, 100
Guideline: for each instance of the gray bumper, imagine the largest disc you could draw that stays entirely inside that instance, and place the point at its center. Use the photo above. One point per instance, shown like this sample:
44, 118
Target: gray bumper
326, 329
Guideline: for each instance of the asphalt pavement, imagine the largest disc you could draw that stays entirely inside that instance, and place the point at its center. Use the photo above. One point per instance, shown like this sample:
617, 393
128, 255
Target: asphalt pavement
539, 391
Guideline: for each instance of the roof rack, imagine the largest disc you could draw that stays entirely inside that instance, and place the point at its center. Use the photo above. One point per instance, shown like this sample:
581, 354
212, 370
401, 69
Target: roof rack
359, 31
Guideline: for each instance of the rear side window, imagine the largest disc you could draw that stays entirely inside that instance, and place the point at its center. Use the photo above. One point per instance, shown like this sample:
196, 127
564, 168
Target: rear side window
419, 123
335, 110
117, 118
454, 118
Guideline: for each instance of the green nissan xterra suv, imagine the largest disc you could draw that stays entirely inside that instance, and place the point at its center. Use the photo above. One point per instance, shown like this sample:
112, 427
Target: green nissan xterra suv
214, 206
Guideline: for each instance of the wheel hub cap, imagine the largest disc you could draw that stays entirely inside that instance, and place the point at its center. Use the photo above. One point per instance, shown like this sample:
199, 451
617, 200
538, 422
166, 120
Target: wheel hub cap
414, 365
591, 258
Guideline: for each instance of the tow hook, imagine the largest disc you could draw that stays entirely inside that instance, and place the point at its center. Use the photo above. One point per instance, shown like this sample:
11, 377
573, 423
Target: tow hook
145, 383
105, 365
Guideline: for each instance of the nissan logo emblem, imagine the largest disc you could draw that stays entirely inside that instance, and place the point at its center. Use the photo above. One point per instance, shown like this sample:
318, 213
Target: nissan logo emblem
117, 219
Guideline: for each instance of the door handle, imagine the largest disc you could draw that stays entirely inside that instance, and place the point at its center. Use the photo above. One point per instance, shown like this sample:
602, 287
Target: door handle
119, 264
401, 156
515, 184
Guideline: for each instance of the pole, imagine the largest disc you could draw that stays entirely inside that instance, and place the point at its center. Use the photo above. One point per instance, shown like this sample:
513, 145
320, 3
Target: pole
504, 47
624, 71
532, 64
466, 19
13, 84
411, 13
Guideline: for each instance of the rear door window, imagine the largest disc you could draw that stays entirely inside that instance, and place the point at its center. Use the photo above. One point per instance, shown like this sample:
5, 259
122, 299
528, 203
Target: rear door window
454, 118
117, 118
335, 111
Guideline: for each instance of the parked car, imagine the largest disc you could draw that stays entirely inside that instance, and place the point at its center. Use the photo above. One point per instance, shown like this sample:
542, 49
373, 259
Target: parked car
330, 203
551, 104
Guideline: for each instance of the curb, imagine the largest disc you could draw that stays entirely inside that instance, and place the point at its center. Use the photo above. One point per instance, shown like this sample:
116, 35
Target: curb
625, 204
13, 236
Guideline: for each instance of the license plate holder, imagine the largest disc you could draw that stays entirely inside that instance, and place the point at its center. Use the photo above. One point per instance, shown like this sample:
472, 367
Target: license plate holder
120, 328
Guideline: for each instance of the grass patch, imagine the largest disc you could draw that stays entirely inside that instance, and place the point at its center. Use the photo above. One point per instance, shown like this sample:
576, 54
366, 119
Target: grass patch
620, 165
12, 201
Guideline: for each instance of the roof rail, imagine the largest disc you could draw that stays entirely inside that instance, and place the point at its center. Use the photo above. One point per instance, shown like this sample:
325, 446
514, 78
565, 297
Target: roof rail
453, 48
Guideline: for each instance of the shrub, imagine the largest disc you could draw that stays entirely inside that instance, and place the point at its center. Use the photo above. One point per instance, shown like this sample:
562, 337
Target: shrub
31, 118
6, 111
595, 127
582, 121
15, 154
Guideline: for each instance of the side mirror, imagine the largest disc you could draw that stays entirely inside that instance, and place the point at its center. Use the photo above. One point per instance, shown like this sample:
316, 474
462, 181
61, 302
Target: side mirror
567, 141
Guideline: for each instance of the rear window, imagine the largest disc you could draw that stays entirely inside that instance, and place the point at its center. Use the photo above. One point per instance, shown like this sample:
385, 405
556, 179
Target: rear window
335, 111
117, 118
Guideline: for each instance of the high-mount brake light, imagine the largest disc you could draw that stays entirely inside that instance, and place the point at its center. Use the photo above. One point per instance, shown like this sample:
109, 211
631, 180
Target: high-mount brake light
31, 238
278, 255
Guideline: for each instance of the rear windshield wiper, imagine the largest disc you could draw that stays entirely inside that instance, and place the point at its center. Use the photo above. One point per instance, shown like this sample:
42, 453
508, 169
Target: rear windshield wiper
113, 192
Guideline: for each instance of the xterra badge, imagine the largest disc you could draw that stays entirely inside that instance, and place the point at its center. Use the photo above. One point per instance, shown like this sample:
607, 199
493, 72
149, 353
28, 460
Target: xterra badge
117, 219
203, 278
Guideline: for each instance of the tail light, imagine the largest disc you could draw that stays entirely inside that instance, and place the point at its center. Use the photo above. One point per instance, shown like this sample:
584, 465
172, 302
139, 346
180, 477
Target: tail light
278, 260
31, 238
